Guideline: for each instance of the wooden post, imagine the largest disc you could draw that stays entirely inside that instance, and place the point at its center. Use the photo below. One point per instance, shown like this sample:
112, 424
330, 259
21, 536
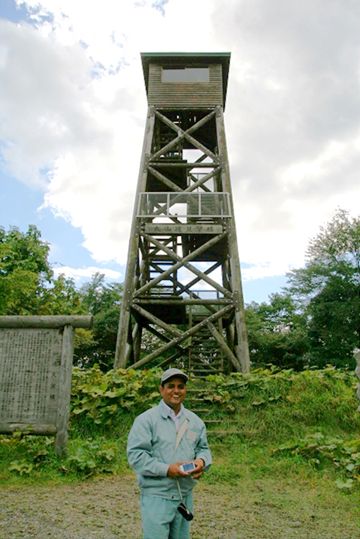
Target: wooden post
64, 391
122, 337
242, 345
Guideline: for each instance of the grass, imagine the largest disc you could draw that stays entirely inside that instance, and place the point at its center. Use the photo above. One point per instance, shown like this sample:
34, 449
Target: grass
268, 409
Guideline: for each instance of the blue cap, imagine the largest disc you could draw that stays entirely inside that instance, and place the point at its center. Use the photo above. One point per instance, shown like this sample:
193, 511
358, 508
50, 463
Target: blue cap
171, 373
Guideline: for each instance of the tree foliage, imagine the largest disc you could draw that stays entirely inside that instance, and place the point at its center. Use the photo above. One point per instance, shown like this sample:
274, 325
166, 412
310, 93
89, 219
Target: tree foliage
62, 297
102, 300
24, 271
276, 333
328, 291
315, 321
28, 287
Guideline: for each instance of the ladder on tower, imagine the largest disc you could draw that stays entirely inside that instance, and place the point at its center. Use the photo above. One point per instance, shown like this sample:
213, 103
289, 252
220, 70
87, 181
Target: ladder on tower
204, 357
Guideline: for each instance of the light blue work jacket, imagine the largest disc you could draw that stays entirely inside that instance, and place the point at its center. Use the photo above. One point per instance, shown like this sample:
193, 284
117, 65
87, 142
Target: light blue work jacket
152, 448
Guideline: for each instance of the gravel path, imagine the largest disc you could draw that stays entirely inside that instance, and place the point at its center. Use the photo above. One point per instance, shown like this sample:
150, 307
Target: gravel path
108, 509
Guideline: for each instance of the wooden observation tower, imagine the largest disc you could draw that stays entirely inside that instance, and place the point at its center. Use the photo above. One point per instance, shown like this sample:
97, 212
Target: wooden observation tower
182, 302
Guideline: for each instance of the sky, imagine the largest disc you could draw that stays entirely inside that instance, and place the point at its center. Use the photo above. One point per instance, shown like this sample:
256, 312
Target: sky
73, 109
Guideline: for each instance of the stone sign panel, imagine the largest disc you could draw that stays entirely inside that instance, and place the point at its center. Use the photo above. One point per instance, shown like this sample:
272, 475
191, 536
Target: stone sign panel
36, 355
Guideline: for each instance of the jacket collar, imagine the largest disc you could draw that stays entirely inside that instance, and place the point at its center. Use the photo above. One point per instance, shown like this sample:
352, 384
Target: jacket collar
165, 410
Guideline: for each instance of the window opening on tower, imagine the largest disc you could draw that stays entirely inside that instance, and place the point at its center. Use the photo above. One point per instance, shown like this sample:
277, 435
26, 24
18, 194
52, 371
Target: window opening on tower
185, 74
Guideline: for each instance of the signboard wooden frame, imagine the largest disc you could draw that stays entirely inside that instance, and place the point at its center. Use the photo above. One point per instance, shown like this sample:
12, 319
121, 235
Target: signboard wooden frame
36, 355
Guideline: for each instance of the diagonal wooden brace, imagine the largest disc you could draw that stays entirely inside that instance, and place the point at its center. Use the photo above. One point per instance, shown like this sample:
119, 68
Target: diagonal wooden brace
202, 181
185, 288
184, 262
164, 179
184, 134
183, 337
197, 279
224, 346
155, 320
179, 264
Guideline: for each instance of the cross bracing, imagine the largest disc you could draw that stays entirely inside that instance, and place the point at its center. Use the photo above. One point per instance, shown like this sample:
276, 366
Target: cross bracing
183, 284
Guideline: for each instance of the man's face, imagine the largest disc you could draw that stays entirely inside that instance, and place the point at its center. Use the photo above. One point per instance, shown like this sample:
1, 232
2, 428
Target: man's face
173, 392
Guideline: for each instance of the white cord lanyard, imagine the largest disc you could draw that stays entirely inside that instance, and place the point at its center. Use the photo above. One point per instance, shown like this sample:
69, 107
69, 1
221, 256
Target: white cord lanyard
179, 489
179, 435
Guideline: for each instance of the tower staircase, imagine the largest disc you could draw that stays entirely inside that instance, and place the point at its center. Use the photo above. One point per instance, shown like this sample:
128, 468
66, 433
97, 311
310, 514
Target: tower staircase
219, 419
204, 357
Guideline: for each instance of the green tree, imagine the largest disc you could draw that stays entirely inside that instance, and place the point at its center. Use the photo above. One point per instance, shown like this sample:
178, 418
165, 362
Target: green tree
328, 291
24, 271
62, 297
27, 283
102, 300
28, 286
276, 333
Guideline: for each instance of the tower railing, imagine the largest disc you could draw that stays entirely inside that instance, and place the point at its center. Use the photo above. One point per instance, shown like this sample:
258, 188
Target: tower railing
184, 205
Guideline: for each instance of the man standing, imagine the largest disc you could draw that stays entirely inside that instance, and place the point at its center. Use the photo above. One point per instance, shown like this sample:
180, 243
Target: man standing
160, 442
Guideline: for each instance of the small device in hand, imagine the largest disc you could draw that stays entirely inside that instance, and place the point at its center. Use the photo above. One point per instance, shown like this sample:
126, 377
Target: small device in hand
188, 467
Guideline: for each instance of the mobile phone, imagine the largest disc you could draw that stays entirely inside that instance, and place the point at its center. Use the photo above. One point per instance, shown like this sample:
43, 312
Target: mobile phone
187, 467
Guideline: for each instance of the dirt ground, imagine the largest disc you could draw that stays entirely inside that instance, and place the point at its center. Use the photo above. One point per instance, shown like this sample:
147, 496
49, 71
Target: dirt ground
108, 509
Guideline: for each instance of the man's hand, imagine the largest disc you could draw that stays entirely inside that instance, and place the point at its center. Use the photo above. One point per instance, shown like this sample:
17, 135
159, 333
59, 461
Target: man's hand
175, 471
199, 470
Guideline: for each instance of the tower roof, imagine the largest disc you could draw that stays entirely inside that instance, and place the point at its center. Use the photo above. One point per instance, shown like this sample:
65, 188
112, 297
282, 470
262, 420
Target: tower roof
187, 59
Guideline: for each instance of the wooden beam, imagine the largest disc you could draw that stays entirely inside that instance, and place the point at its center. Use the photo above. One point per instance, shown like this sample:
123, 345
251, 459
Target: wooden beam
64, 391
205, 188
184, 134
123, 332
185, 263
200, 146
51, 322
184, 289
195, 164
172, 278
197, 279
162, 337
155, 320
27, 428
224, 347
191, 129
243, 347
183, 337
164, 179
180, 262
195, 301
156, 333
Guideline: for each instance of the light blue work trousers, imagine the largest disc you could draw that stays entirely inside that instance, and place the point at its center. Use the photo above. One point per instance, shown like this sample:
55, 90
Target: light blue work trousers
162, 520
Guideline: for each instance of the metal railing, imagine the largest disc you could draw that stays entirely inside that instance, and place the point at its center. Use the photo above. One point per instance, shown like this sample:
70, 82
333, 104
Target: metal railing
184, 205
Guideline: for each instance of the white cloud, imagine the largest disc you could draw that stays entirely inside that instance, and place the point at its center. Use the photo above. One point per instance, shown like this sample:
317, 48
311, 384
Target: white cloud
72, 112
81, 274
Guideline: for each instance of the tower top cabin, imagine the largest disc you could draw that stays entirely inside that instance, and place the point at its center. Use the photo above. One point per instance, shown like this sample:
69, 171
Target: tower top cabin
186, 80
